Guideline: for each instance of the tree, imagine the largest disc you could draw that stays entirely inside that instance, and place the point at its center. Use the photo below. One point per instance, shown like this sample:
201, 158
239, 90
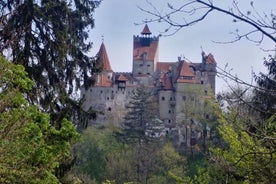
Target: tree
265, 94
141, 116
31, 148
249, 155
195, 11
170, 164
49, 38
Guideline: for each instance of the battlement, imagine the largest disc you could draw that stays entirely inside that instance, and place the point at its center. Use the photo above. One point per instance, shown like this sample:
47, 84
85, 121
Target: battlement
138, 38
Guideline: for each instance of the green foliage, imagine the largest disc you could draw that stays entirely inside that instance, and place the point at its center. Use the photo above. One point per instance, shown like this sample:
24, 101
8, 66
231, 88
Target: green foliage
31, 148
49, 38
171, 165
97, 152
249, 157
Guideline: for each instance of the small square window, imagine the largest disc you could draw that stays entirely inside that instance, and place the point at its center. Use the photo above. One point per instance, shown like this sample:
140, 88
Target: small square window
163, 98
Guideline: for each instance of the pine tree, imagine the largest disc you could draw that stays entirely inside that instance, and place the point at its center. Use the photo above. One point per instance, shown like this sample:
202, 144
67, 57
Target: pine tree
265, 93
141, 115
49, 38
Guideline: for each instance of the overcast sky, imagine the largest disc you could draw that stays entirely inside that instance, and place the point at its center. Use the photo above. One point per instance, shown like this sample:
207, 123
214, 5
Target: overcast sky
115, 21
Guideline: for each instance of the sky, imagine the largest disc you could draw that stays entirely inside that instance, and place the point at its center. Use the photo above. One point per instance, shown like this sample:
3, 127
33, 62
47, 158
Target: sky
115, 25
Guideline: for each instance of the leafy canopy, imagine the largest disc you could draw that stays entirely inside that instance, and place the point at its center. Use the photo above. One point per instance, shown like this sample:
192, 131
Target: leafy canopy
31, 148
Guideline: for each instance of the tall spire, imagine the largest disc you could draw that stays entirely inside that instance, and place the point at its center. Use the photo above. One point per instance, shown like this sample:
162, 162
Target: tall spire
104, 58
146, 30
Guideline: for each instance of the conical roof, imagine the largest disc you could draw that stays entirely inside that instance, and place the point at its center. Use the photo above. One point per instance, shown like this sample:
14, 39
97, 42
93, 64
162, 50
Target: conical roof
104, 58
146, 30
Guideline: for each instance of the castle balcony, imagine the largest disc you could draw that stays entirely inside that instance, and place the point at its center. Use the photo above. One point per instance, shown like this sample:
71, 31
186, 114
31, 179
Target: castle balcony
122, 85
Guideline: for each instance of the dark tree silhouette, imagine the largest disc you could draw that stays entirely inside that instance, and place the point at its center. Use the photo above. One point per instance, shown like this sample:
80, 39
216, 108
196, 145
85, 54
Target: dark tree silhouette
50, 39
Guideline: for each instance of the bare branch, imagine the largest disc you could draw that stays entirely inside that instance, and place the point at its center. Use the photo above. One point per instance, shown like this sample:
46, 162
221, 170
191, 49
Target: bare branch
200, 9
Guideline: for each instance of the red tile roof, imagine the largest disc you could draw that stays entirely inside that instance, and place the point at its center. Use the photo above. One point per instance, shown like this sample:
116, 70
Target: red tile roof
150, 51
164, 66
210, 59
166, 81
186, 73
122, 78
104, 61
186, 69
146, 30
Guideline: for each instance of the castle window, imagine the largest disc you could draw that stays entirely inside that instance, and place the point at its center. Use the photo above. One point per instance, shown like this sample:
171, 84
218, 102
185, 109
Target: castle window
202, 82
207, 116
205, 92
169, 121
141, 65
184, 98
169, 111
107, 98
101, 91
163, 98
109, 109
148, 73
139, 73
171, 99
148, 65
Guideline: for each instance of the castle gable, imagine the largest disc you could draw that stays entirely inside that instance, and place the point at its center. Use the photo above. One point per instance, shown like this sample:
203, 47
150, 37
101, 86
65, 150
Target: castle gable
186, 73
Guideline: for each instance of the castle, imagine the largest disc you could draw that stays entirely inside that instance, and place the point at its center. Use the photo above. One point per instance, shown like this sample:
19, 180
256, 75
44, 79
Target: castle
182, 88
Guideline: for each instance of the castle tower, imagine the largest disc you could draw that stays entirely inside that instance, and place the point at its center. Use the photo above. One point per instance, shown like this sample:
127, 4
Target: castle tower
145, 54
209, 66
105, 77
